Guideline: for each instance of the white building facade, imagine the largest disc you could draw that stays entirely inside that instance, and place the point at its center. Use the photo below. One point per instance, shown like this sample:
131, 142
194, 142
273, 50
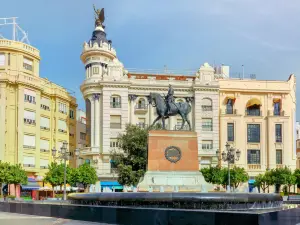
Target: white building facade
115, 97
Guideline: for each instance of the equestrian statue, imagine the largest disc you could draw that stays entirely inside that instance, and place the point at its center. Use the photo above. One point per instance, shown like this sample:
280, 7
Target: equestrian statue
166, 107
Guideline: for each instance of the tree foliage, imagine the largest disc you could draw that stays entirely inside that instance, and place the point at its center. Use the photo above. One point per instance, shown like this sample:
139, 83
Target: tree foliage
16, 175
55, 174
86, 175
131, 159
263, 181
4, 170
217, 175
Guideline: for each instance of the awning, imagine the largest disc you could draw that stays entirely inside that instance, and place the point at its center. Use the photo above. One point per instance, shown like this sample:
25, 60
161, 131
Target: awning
31, 185
276, 100
251, 181
111, 184
253, 101
229, 98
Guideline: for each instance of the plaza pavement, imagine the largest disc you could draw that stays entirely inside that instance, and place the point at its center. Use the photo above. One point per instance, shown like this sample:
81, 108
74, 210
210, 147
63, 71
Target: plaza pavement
21, 219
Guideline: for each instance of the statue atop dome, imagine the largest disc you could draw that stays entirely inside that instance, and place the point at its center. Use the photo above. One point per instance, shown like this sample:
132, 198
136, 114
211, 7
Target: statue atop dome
99, 17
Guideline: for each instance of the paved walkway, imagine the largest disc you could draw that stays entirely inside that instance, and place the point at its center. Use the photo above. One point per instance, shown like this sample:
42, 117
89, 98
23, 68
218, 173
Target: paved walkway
20, 219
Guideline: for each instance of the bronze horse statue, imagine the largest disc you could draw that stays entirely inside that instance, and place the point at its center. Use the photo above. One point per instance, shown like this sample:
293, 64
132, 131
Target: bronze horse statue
181, 108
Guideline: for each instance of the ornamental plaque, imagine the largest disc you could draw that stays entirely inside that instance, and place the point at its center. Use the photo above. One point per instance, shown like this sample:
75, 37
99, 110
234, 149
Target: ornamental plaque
173, 154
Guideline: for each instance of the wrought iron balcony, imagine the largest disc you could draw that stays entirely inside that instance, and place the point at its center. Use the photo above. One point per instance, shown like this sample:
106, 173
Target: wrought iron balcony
253, 112
141, 108
142, 125
115, 105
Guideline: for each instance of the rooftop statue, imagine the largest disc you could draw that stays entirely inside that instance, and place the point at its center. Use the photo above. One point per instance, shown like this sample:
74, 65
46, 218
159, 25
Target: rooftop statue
99, 17
166, 107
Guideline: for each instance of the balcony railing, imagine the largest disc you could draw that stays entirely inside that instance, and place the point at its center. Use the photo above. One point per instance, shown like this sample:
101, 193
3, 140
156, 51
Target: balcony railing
28, 165
276, 113
62, 131
115, 125
45, 128
63, 112
29, 121
44, 167
253, 112
229, 112
115, 105
206, 108
141, 106
279, 166
207, 127
30, 101
44, 150
254, 166
45, 107
142, 125
28, 146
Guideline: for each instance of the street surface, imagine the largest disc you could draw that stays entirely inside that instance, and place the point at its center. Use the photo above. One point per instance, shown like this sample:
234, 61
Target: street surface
20, 219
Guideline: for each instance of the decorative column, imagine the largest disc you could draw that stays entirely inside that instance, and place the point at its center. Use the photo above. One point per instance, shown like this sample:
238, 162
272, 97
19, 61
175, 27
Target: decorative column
92, 121
97, 120
132, 99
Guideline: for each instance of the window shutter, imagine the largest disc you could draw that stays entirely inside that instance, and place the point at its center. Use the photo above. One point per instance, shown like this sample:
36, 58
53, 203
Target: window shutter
29, 160
2, 59
29, 92
45, 122
62, 125
45, 101
28, 61
29, 115
115, 119
44, 163
29, 140
44, 144
206, 101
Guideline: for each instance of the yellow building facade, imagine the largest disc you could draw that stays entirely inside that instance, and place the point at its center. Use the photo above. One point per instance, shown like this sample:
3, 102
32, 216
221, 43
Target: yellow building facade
36, 115
258, 117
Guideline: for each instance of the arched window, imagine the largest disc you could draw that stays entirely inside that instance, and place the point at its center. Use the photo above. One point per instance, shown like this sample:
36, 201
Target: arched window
253, 107
115, 101
141, 103
206, 104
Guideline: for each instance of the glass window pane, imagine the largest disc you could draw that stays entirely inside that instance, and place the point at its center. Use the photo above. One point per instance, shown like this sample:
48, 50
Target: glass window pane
253, 156
230, 132
278, 133
253, 133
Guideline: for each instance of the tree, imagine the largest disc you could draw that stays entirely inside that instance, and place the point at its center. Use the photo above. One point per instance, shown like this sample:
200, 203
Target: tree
132, 159
4, 170
281, 176
73, 176
16, 175
290, 181
263, 181
55, 175
86, 175
217, 175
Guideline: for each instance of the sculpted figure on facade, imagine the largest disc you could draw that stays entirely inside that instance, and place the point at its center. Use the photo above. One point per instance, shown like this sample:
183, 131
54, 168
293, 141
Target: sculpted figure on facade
166, 107
99, 17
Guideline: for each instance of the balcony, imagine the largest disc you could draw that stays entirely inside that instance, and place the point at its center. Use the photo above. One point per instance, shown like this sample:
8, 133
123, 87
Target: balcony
45, 107
115, 125
45, 128
206, 108
63, 112
44, 167
276, 113
28, 165
279, 166
254, 167
115, 105
44, 150
62, 131
207, 127
29, 121
30, 101
142, 125
141, 108
229, 112
253, 112
28, 147
90, 151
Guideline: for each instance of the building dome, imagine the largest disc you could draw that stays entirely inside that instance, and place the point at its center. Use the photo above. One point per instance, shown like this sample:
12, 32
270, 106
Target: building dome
99, 36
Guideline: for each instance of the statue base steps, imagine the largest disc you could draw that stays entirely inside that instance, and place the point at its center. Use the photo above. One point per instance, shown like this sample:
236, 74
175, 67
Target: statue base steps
181, 181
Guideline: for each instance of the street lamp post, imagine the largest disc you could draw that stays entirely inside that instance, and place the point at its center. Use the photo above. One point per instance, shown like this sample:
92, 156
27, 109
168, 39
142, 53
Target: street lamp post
65, 155
231, 155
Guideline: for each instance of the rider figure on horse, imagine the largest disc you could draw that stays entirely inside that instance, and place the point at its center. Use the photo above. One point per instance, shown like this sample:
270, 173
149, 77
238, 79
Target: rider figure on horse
170, 98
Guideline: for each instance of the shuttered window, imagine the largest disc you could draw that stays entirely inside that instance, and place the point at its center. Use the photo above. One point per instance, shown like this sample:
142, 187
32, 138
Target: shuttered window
115, 122
29, 115
45, 101
2, 59
27, 64
44, 163
44, 145
62, 126
29, 141
45, 122
28, 161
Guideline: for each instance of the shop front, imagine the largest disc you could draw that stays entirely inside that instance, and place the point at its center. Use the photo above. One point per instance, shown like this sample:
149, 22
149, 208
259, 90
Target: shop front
111, 185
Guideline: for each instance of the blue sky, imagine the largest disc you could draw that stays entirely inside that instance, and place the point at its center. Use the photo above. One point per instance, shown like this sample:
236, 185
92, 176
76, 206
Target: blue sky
262, 35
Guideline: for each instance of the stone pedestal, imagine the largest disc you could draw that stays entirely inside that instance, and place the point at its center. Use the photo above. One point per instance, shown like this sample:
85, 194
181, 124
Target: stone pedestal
173, 163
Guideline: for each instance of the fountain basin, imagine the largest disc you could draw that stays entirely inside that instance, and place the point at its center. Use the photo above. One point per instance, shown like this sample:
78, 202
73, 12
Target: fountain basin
205, 201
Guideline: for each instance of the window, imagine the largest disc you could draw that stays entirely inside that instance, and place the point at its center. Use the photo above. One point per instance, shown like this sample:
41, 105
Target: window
141, 123
277, 109
229, 106
2, 59
253, 133
253, 156
278, 132
62, 126
115, 102
45, 103
28, 64
29, 117
278, 156
82, 136
207, 124
206, 104
115, 122
28, 161
62, 107
95, 70
29, 96
207, 145
230, 132
71, 114
29, 141
44, 145
45, 123
114, 143
253, 110
72, 131
44, 163
141, 104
